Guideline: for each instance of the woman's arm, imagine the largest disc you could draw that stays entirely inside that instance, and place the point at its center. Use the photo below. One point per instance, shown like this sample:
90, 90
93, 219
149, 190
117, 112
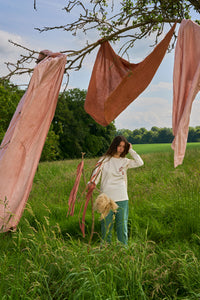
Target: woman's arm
136, 161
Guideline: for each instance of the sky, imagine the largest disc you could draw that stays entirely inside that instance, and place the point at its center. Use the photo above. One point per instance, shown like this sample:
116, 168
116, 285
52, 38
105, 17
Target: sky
18, 21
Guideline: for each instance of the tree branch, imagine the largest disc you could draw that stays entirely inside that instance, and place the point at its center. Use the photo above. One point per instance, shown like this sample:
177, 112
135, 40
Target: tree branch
75, 63
129, 19
196, 4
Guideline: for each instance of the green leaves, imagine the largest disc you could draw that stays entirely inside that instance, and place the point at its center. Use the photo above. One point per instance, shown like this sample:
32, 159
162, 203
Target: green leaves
10, 96
72, 131
77, 131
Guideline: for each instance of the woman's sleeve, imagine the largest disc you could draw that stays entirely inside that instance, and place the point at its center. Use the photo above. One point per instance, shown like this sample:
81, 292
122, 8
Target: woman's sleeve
136, 161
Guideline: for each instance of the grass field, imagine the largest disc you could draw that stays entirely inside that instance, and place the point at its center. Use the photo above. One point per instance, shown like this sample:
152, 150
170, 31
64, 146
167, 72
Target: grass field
47, 257
152, 148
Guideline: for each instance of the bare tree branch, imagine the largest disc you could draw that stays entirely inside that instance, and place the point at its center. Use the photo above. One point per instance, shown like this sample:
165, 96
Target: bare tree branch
195, 4
76, 57
135, 20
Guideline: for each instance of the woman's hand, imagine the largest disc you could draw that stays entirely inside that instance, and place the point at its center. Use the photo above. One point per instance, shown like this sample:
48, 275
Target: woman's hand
130, 146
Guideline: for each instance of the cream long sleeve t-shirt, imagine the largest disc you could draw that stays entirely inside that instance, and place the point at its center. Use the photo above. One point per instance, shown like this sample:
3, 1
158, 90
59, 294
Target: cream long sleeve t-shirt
113, 174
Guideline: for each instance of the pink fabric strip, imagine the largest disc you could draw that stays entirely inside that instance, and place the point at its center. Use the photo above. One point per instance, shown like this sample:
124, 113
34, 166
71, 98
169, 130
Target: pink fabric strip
72, 196
25, 137
88, 197
96, 171
186, 84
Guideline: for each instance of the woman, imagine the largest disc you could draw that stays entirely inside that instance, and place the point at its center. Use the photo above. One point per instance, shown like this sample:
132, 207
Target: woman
112, 168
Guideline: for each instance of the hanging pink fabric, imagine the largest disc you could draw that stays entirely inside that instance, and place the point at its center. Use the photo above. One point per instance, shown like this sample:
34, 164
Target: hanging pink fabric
72, 196
115, 82
23, 142
91, 188
186, 84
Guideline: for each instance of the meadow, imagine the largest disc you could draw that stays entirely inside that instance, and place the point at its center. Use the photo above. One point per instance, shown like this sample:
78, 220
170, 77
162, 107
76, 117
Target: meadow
47, 257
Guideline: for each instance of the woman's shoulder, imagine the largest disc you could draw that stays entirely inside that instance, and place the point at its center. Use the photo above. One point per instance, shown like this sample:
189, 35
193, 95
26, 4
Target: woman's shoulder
103, 159
124, 160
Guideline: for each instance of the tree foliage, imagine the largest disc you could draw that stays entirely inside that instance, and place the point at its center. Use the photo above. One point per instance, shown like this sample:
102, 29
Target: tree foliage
73, 131
157, 135
9, 98
128, 20
77, 131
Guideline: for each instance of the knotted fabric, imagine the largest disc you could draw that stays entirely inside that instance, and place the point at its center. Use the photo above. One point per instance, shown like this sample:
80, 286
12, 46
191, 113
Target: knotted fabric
73, 193
115, 82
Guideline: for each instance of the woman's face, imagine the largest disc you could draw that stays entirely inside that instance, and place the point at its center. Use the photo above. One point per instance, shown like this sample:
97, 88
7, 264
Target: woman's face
121, 148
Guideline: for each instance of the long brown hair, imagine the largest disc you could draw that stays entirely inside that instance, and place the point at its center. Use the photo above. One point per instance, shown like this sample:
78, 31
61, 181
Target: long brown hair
112, 150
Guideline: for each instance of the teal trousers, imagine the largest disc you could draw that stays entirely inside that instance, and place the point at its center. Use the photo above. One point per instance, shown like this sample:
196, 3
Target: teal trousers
121, 220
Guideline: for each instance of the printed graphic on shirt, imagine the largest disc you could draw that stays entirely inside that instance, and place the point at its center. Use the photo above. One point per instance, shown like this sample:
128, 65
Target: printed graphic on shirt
121, 170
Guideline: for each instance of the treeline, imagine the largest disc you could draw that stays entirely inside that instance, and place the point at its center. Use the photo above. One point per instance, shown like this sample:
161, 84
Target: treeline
157, 135
73, 131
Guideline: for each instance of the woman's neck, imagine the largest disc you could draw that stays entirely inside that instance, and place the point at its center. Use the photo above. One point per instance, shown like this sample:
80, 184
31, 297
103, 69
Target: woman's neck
116, 155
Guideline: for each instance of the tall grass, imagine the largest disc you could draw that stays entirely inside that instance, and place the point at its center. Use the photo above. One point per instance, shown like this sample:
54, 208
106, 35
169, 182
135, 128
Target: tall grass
47, 257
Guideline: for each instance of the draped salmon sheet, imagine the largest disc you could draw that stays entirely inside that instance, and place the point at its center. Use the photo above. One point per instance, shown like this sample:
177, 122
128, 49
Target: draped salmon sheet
23, 142
115, 82
186, 84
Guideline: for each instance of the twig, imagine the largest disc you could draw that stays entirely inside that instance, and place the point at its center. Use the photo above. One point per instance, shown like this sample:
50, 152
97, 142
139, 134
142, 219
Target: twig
78, 56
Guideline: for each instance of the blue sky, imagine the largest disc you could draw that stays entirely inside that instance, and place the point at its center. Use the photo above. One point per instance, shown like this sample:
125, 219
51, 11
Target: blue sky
17, 22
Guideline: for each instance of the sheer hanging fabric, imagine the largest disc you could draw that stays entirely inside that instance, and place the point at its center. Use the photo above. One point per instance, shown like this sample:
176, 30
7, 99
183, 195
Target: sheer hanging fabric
115, 82
73, 193
23, 142
186, 84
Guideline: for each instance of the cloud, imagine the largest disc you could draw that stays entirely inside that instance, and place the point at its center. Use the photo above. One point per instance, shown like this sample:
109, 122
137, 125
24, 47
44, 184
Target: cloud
145, 112
11, 53
6, 49
195, 113
153, 111
161, 86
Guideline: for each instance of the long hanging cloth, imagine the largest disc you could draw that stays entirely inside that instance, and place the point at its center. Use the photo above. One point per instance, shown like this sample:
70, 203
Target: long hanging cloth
186, 84
73, 193
90, 188
115, 82
23, 142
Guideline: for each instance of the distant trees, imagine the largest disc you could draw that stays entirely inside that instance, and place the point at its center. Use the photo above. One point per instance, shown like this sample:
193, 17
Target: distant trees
77, 131
73, 131
157, 135
9, 98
